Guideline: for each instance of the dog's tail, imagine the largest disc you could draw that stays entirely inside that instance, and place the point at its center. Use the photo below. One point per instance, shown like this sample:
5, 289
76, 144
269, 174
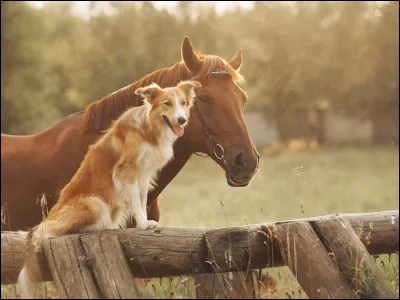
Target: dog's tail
31, 275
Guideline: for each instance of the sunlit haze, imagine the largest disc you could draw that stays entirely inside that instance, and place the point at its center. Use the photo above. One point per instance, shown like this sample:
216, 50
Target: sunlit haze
82, 7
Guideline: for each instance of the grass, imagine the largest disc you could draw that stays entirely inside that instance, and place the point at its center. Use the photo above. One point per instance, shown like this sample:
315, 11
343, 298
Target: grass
349, 180
293, 185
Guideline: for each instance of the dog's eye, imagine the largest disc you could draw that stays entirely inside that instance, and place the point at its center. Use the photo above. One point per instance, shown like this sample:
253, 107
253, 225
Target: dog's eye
168, 103
184, 103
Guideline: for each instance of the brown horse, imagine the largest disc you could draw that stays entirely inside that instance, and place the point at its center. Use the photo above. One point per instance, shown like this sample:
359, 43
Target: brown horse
44, 163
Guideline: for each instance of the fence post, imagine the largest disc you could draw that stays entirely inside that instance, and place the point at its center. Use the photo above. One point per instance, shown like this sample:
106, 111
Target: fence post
239, 283
353, 259
71, 274
305, 255
109, 267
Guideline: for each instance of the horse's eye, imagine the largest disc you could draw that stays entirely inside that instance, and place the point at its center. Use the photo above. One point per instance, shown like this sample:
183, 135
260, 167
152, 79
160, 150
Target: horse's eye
203, 98
168, 103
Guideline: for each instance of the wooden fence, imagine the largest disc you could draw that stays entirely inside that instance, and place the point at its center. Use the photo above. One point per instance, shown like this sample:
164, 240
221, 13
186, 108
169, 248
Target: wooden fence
330, 256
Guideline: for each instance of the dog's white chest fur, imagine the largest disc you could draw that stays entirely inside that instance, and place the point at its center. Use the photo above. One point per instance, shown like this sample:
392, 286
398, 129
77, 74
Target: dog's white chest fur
150, 160
153, 157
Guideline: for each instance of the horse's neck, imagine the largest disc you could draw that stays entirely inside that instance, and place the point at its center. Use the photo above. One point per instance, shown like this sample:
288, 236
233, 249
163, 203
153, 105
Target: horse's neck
100, 114
181, 157
71, 122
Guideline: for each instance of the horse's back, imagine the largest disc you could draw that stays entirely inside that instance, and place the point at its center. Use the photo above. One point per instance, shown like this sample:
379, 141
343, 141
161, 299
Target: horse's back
15, 157
14, 143
36, 164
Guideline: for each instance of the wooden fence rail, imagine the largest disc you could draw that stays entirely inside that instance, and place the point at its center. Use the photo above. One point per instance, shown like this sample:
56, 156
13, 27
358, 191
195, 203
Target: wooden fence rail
169, 251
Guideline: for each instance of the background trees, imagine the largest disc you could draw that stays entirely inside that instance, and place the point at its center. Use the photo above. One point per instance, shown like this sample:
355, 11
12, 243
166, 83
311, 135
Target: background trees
345, 54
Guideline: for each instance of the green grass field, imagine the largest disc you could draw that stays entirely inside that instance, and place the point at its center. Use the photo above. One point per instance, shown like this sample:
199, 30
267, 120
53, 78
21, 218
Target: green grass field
295, 185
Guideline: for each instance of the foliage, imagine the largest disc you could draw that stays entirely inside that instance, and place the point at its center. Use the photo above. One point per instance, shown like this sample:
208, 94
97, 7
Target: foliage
344, 54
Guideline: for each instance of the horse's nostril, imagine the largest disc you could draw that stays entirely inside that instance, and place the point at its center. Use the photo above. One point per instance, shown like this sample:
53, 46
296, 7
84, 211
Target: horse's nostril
181, 120
239, 160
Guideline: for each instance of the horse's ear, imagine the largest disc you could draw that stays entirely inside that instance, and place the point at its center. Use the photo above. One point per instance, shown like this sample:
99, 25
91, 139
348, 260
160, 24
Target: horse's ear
149, 92
237, 59
192, 61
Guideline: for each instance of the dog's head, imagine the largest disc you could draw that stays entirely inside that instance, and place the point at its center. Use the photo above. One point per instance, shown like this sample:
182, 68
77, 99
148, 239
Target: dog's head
171, 105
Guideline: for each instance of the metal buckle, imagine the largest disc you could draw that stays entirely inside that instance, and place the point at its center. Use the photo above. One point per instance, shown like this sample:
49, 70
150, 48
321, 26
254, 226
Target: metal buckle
221, 149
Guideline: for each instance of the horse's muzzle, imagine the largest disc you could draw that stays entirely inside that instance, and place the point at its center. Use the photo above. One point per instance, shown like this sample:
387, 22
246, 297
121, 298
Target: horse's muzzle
242, 170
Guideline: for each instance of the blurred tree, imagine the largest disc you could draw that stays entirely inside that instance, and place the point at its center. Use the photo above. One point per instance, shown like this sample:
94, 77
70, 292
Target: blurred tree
383, 98
23, 36
66, 73
296, 55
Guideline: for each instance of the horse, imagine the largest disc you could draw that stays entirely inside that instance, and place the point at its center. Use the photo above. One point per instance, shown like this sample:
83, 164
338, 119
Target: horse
43, 163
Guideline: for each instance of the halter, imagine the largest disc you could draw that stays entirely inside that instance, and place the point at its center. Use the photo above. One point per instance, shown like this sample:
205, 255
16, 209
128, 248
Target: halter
218, 149
207, 132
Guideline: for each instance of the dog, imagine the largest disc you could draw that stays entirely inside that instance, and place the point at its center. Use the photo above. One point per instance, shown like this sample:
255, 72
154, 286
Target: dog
118, 171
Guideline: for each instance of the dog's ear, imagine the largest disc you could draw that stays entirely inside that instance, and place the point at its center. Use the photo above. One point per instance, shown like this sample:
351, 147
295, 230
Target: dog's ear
149, 92
188, 87
189, 84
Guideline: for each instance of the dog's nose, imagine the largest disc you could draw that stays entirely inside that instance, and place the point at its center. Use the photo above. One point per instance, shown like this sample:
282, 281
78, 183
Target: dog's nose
181, 120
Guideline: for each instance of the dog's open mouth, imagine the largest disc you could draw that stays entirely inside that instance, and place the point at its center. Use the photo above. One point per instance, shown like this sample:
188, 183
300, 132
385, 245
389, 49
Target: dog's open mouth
177, 129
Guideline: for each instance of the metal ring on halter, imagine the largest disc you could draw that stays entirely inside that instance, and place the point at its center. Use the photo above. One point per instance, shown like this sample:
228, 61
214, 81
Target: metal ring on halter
222, 151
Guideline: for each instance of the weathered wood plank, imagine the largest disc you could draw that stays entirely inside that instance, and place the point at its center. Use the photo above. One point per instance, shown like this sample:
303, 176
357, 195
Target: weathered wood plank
231, 285
12, 257
238, 284
241, 249
177, 251
303, 252
182, 251
109, 267
353, 259
69, 270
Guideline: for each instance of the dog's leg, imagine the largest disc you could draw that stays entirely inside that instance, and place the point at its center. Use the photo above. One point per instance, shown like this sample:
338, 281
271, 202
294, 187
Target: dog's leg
143, 191
137, 209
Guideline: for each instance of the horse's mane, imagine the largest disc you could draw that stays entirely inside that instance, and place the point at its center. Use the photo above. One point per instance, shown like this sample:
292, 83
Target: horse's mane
100, 114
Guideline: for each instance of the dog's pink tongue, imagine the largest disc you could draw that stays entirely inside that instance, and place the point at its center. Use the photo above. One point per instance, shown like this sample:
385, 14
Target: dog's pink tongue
178, 130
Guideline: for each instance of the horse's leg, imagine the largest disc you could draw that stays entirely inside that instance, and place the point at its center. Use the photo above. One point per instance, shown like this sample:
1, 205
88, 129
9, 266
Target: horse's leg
153, 211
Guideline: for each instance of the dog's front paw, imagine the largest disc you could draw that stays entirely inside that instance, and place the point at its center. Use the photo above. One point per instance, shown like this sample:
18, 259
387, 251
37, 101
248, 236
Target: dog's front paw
152, 224
143, 225
147, 225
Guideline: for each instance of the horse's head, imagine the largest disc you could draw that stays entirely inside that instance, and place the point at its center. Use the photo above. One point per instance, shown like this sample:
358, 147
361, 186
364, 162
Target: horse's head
217, 125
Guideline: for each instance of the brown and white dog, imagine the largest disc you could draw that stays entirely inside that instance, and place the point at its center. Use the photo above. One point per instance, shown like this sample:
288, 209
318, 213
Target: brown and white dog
113, 180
